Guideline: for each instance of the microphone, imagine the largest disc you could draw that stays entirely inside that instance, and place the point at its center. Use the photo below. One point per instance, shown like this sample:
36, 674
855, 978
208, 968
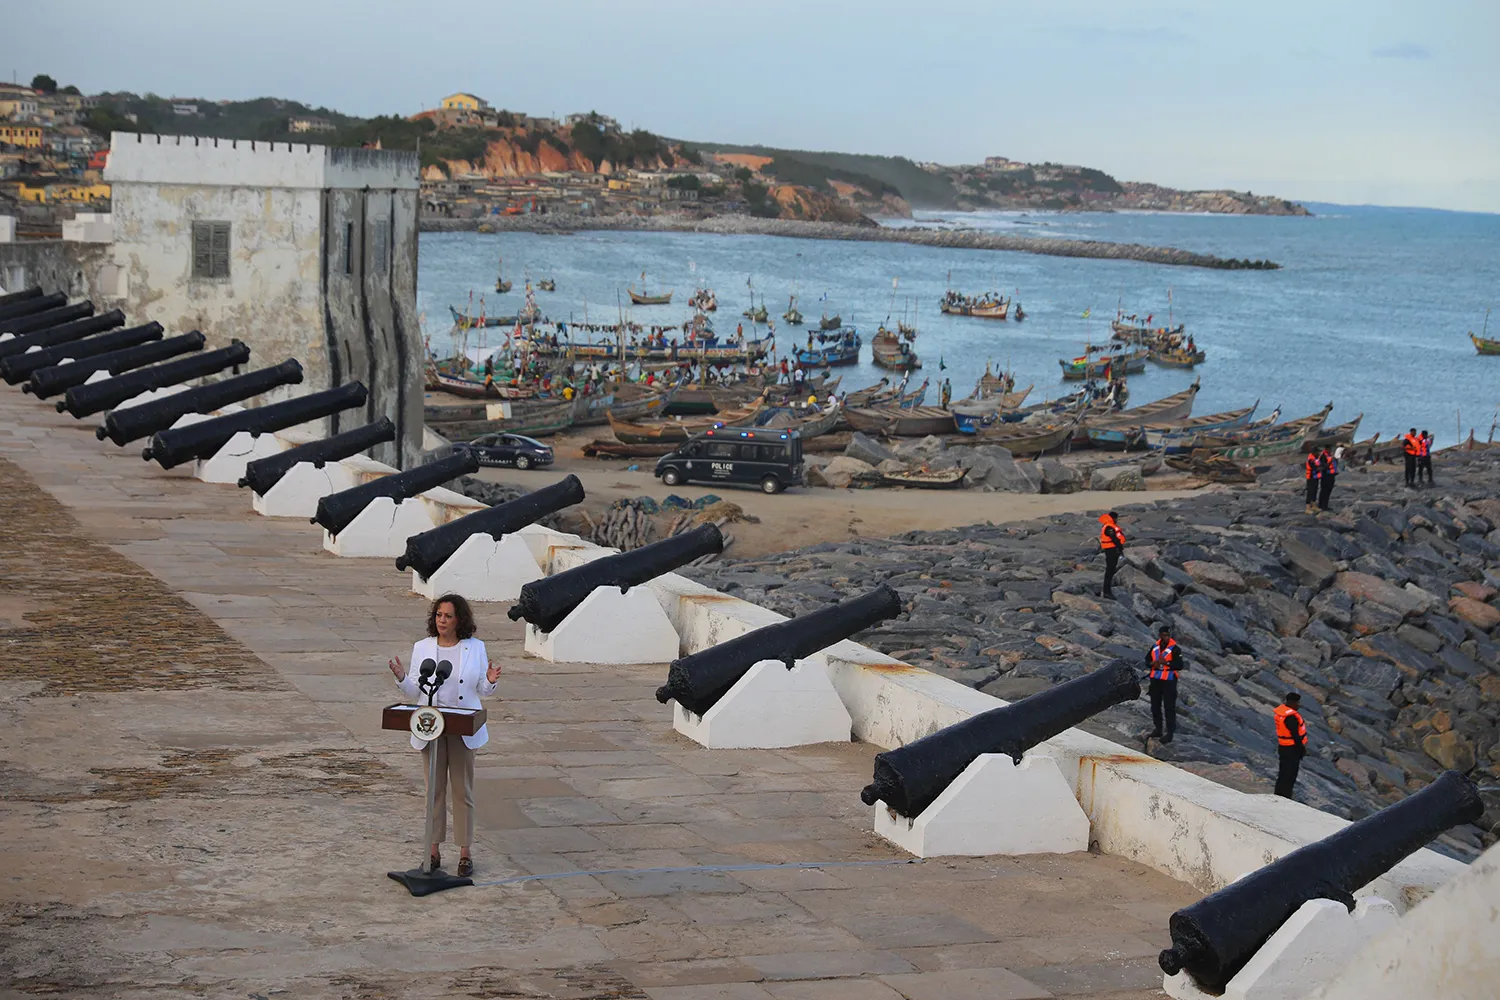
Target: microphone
443, 670
424, 679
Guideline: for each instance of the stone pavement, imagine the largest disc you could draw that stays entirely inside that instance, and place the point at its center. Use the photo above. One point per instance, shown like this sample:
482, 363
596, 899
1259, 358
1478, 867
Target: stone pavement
198, 801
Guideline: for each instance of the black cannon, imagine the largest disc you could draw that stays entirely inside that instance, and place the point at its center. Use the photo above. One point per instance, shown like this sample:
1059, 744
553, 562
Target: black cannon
86, 400
200, 440
18, 367
32, 322
909, 778
546, 602
46, 382
698, 681
62, 333
336, 510
1213, 938
125, 425
430, 549
27, 302
263, 473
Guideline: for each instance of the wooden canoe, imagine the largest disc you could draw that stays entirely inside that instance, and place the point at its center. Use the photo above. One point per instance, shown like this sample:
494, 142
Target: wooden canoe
649, 300
1484, 345
807, 425
1119, 363
889, 351
900, 421
1122, 428
1177, 435
924, 479
1027, 439
1340, 434
629, 432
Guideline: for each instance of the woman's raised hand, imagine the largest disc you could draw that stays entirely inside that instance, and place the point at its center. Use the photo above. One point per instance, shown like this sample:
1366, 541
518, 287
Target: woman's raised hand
396, 667
493, 673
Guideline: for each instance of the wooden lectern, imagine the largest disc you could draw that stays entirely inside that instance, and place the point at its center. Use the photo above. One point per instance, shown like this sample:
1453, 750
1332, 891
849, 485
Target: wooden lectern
428, 723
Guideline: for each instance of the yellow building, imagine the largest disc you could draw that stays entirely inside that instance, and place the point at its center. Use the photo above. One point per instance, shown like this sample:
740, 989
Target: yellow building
78, 193
464, 102
29, 136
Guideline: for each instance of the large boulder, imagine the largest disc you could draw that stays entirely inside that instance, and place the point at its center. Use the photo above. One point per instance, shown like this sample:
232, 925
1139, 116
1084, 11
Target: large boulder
1222, 622
1215, 575
1011, 476
1477, 613
1117, 478
840, 472
1310, 567
891, 465
1364, 587
867, 449
1059, 478
929, 445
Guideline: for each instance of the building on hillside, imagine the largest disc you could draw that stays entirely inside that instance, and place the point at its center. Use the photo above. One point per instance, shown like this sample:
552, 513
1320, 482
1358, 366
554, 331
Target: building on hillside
465, 102
309, 123
301, 251
20, 107
15, 134
604, 122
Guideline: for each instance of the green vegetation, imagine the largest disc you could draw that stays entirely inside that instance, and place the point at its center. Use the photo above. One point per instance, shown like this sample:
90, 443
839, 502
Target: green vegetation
686, 182
638, 148
756, 196
44, 84
795, 171
874, 173
264, 118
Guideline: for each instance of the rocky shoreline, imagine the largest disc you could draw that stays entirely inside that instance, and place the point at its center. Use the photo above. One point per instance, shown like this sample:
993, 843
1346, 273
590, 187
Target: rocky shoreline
1384, 613
740, 225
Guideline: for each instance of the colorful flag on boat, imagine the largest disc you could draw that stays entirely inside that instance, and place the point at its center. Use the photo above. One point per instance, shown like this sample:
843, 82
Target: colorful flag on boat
1086, 313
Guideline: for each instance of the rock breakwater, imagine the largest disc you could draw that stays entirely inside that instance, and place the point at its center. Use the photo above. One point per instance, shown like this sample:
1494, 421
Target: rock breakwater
969, 239
1383, 612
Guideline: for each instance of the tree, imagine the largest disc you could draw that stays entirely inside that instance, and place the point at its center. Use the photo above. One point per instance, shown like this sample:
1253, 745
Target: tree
104, 119
44, 84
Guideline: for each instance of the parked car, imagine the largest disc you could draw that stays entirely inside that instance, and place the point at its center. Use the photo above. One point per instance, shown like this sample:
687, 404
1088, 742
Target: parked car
499, 450
770, 458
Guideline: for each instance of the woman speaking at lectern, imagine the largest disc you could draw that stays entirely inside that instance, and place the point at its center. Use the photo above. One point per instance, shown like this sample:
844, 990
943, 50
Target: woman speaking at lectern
450, 636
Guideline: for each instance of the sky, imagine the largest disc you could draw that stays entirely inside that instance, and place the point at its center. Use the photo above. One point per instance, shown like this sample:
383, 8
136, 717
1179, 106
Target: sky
1386, 102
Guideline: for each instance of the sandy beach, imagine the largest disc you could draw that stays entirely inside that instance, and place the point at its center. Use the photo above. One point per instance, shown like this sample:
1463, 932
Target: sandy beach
808, 515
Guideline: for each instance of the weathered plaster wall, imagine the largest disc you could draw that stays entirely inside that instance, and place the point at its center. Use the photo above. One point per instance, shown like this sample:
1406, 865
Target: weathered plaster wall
82, 270
270, 299
323, 264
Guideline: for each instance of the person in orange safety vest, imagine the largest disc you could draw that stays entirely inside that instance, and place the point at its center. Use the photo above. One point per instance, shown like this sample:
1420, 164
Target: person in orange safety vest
1163, 660
1313, 469
1291, 742
1111, 543
1424, 459
1328, 474
1411, 447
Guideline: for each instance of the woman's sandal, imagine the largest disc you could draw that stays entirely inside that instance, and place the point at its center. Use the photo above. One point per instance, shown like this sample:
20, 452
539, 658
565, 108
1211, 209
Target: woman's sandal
465, 867
436, 862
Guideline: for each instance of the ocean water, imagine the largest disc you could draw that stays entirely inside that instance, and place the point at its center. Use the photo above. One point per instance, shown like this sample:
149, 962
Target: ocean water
1369, 310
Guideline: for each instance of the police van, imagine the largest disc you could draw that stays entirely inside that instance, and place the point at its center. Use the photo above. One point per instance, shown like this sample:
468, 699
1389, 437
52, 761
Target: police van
770, 458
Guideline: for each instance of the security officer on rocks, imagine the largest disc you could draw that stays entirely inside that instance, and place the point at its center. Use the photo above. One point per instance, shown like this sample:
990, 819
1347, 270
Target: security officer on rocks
1291, 740
1111, 543
1163, 660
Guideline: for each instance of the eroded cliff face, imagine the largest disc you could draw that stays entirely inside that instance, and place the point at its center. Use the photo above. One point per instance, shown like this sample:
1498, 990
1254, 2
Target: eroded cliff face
797, 202
886, 205
519, 154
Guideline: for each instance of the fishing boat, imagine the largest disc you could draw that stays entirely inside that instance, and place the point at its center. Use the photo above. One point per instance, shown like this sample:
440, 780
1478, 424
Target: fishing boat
1131, 330
1276, 439
986, 306
547, 285
1122, 429
592, 409
1482, 343
971, 415
840, 347
793, 315
690, 402
880, 392
1177, 357
501, 285
712, 352
756, 314
704, 300
1175, 437
807, 424
630, 432
892, 350
643, 298
649, 404
1118, 363
1020, 313
899, 421
926, 479
1331, 436
993, 309
618, 449
542, 418
830, 322
1027, 438
466, 322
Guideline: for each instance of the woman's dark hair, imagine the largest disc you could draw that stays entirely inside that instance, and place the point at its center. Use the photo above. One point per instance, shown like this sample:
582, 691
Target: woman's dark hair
466, 627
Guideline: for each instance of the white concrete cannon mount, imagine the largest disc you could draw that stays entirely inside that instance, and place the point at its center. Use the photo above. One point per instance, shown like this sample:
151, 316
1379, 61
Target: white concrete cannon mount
609, 627
1306, 952
297, 493
382, 528
994, 807
227, 465
482, 569
771, 706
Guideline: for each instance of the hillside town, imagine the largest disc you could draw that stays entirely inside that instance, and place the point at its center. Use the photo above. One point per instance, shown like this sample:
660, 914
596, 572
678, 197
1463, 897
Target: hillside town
50, 160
